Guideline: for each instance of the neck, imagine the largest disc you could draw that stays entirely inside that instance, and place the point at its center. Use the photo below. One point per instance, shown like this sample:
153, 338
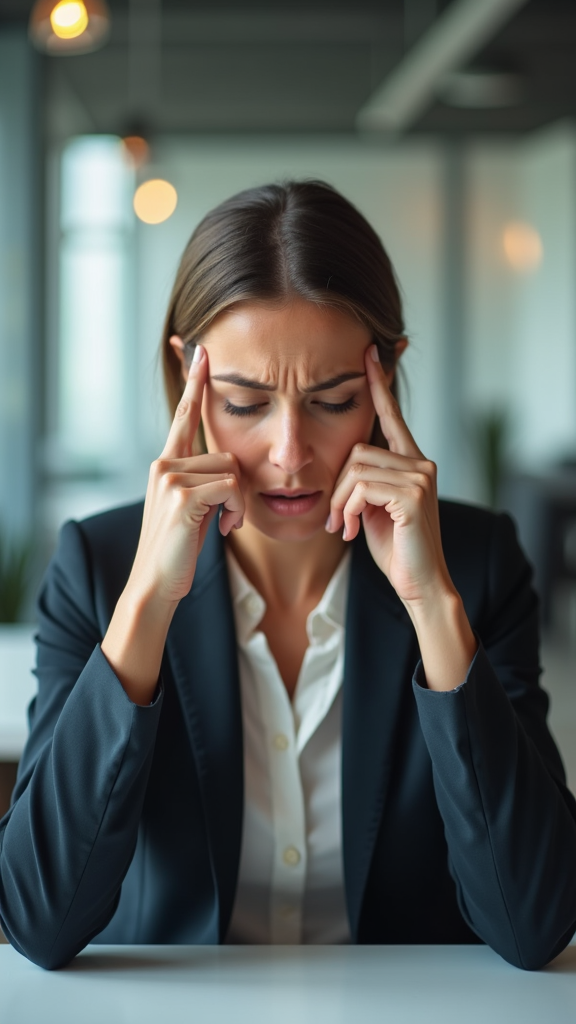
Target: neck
287, 574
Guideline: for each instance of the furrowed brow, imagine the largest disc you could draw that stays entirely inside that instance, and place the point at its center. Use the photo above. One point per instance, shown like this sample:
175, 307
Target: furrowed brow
333, 382
245, 382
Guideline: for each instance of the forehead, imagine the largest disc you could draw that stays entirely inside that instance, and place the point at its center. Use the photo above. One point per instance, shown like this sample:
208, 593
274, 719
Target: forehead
297, 334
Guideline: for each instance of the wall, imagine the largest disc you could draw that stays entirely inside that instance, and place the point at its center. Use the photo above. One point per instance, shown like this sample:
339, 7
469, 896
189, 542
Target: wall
520, 336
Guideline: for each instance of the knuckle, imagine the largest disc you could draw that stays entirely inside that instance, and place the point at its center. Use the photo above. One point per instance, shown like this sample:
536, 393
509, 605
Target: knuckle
180, 498
182, 407
360, 449
356, 469
158, 467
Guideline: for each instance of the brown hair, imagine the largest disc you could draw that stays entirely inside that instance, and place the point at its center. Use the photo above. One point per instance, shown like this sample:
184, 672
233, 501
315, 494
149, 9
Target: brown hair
300, 238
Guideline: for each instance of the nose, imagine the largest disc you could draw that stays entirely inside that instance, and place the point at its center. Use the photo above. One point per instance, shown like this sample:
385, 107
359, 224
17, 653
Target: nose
290, 449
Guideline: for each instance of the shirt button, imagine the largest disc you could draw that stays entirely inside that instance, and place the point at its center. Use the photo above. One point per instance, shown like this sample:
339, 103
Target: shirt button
291, 856
281, 742
252, 604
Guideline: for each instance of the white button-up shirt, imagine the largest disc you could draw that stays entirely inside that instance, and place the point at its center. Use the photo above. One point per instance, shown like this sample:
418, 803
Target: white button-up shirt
291, 882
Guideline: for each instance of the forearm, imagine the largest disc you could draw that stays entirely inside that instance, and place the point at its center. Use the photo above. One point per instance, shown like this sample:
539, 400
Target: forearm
69, 838
134, 642
447, 643
510, 825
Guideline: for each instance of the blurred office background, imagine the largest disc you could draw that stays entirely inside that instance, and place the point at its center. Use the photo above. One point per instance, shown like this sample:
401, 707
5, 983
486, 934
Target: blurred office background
450, 123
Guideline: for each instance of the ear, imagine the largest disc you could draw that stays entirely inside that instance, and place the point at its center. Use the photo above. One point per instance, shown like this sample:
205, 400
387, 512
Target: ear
178, 346
400, 347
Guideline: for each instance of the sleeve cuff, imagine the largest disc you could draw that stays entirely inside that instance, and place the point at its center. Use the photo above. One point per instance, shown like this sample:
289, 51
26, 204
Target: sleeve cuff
419, 677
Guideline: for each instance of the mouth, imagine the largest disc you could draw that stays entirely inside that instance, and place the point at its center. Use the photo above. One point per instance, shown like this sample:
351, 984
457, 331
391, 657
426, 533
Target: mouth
279, 492
291, 503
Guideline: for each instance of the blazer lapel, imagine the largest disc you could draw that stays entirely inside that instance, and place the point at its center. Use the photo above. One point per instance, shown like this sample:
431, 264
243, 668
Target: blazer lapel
201, 648
381, 654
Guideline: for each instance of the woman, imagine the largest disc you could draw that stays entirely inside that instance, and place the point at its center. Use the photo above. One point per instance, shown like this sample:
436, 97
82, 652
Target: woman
292, 698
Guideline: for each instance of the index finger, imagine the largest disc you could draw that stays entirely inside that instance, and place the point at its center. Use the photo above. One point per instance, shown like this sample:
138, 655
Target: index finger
392, 422
187, 416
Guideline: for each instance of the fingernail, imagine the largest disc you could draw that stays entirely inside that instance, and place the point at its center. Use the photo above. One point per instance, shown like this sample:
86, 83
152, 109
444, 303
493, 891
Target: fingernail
344, 532
328, 523
374, 353
198, 351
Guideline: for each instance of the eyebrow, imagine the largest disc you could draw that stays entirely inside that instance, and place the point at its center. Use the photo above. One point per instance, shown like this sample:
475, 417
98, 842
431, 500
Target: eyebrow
325, 385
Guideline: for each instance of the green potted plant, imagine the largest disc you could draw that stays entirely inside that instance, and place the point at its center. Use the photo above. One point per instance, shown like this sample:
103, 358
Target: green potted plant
490, 435
15, 565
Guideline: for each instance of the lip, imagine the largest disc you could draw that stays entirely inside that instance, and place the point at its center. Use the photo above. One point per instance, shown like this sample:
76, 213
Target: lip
291, 503
285, 492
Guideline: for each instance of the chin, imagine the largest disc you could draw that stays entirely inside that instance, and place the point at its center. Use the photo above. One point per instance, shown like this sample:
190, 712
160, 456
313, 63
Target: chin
287, 531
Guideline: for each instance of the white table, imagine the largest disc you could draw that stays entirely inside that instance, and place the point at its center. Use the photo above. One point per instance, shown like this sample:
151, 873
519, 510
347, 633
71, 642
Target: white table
17, 687
287, 985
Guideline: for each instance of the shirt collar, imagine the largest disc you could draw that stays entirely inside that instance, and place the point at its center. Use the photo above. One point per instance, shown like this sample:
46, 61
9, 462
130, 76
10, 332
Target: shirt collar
325, 619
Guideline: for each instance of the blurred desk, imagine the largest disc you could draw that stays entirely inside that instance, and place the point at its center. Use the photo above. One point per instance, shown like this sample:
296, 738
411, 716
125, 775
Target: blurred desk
287, 985
17, 687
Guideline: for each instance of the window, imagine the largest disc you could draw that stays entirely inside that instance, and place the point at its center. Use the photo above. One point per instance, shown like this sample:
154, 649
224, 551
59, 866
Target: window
94, 288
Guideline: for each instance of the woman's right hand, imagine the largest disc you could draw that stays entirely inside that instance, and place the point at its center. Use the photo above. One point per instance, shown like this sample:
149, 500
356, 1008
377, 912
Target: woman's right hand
183, 496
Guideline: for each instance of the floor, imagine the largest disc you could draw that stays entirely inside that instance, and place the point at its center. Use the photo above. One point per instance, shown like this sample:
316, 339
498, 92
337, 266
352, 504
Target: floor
559, 662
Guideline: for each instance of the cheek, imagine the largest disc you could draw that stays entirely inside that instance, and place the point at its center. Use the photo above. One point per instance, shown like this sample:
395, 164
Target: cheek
344, 435
226, 433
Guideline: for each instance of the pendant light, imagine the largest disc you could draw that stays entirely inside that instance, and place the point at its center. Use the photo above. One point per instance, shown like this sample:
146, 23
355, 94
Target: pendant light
60, 27
155, 201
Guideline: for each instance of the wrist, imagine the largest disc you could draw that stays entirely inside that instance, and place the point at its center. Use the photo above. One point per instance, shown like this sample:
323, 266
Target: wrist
445, 637
135, 639
439, 602
144, 604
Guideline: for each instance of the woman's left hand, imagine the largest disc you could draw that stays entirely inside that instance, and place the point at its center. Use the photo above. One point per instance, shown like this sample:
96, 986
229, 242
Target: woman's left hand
395, 493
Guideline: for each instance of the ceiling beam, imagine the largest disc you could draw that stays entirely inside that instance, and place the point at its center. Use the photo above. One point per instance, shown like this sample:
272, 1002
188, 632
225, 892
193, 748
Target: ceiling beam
459, 32
263, 27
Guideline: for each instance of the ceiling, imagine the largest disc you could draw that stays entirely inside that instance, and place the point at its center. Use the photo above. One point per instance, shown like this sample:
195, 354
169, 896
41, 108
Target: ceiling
292, 66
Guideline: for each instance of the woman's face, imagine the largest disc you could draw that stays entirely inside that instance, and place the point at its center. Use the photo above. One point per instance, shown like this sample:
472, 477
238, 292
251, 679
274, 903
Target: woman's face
287, 394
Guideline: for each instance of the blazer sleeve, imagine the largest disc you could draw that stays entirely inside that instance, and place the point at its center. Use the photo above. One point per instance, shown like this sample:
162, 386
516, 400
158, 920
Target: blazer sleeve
67, 841
509, 819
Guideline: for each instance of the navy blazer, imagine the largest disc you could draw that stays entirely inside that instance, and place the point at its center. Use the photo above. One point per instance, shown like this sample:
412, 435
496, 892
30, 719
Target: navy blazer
126, 821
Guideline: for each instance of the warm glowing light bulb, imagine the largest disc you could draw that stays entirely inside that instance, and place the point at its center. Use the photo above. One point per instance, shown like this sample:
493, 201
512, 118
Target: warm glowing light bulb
69, 19
155, 201
522, 246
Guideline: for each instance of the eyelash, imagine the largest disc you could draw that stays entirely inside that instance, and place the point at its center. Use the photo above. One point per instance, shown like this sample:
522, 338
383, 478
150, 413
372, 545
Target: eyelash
251, 410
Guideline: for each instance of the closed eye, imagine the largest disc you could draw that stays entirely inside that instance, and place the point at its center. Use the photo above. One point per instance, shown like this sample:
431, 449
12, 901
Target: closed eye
340, 406
241, 410
252, 410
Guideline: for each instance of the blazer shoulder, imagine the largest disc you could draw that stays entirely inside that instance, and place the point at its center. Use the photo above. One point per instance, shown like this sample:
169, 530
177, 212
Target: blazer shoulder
484, 557
462, 517
108, 542
101, 548
115, 526
470, 531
